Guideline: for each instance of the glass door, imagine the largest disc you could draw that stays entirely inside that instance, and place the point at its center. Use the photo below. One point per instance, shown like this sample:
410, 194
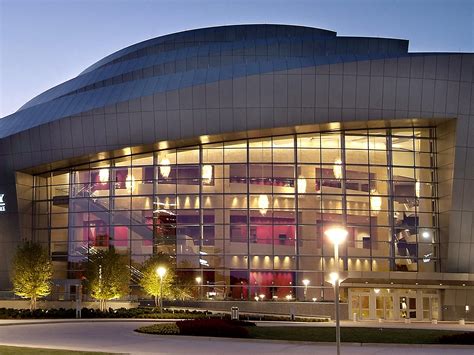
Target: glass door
430, 307
360, 305
408, 307
384, 306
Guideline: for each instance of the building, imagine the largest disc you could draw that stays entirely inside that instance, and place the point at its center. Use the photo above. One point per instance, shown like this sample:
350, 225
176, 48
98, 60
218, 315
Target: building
235, 148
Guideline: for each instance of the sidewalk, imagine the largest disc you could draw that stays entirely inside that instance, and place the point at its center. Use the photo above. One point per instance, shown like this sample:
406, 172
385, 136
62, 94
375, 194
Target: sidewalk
118, 336
442, 325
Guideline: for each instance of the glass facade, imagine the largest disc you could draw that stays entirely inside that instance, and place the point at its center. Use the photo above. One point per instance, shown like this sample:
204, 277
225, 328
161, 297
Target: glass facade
249, 216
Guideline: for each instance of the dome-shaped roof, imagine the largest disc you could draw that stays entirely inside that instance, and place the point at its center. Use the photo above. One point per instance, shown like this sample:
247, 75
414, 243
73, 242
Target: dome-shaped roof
192, 58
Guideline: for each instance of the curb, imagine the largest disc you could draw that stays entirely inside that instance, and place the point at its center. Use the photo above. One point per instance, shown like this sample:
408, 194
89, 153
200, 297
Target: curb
315, 343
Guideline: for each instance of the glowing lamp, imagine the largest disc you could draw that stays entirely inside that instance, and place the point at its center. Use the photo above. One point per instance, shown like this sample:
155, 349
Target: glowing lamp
337, 235
130, 182
263, 204
301, 184
337, 169
104, 175
161, 271
334, 278
165, 168
206, 174
375, 201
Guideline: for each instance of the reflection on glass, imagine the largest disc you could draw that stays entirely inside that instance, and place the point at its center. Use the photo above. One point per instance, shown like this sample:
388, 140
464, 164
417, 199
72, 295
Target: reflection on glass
249, 216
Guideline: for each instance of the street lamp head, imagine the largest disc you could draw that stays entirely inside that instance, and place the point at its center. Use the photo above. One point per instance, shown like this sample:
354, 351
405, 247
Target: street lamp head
334, 278
305, 282
198, 279
161, 271
337, 235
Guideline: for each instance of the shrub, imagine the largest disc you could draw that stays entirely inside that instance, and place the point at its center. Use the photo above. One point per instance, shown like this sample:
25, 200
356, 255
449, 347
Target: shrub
160, 329
461, 339
212, 327
140, 312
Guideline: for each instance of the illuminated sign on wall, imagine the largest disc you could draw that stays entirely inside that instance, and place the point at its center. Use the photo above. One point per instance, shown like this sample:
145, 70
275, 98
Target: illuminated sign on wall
2, 203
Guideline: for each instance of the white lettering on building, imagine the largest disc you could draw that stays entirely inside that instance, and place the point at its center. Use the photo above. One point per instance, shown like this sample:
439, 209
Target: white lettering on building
2, 203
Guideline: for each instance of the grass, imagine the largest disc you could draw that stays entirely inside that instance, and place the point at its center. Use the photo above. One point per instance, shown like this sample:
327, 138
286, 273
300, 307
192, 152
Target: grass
351, 335
7, 350
328, 334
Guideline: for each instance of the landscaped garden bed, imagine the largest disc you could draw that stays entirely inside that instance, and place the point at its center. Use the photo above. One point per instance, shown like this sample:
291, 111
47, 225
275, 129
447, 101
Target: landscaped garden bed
202, 327
141, 312
227, 328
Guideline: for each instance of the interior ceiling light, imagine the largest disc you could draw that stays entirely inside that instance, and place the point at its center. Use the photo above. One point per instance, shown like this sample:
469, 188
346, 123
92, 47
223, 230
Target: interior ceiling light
263, 204
165, 167
417, 189
337, 169
104, 175
130, 182
375, 200
206, 174
301, 184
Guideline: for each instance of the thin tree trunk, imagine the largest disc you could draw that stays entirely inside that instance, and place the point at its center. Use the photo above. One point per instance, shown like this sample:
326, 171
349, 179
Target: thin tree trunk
156, 300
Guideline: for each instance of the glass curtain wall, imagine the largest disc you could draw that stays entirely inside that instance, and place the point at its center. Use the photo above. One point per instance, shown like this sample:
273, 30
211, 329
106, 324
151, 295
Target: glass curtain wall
249, 216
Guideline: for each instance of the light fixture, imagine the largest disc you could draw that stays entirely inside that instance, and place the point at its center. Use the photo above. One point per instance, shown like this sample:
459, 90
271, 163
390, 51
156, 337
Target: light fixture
198, 280
314, 299
263, 204
262, 296
377, 290
334, 278
301, 184
165, 167
425, 234
206, 174
375, 200
337, 235
337, 169
161, 271
104, 175
130, 182
305, 283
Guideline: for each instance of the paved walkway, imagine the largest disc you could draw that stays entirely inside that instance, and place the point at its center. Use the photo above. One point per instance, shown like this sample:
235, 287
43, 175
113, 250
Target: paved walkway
118, 337
442, 325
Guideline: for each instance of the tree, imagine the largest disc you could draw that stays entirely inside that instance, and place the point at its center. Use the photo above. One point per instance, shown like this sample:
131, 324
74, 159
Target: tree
107, 276
32, 271
151, 282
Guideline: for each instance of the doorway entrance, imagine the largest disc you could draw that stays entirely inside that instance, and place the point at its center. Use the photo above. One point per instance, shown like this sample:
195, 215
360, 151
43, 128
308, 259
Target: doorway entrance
393, 304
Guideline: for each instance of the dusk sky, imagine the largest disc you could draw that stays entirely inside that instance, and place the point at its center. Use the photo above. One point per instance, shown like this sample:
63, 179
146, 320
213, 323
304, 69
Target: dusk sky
44, 43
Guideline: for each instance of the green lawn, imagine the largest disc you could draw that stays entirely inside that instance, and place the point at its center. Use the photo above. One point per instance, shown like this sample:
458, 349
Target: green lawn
351, 335
328, 334
33, 351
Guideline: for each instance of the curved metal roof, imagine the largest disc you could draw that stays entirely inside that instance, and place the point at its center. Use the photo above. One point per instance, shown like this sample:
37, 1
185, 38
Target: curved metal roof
192, 58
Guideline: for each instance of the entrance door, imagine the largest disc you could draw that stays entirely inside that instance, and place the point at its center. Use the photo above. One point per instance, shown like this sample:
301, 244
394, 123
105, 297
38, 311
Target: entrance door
430, 307
408, 306
383, 306
360, 305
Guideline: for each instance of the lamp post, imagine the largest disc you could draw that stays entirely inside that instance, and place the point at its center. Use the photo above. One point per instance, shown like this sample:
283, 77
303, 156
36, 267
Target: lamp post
198, 281
337, 235
305, 283
161, 272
